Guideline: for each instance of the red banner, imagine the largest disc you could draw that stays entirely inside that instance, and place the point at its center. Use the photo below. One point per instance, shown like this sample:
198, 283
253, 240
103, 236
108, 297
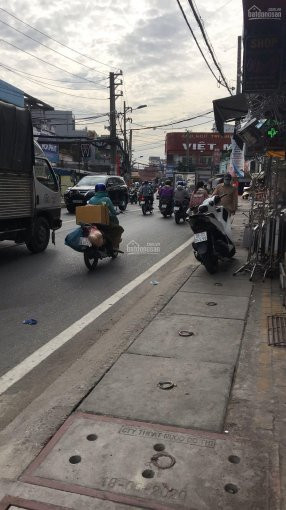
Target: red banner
205, 143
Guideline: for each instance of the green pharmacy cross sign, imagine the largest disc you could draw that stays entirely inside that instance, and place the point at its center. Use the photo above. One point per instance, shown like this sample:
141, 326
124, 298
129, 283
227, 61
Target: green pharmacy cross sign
272, 132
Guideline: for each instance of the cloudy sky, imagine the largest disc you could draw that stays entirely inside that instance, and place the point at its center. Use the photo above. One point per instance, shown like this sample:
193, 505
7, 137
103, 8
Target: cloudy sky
148, 40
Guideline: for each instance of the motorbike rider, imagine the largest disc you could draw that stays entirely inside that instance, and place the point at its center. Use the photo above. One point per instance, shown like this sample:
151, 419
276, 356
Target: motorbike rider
198, 195
181, 194
229, 202
146, 190
101, 198
166, 192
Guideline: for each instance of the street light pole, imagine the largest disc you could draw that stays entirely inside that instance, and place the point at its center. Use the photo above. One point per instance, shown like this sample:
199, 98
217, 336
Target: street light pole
124, 127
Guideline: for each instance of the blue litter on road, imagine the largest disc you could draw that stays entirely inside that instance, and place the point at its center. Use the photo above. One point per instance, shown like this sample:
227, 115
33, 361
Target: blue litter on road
31, 322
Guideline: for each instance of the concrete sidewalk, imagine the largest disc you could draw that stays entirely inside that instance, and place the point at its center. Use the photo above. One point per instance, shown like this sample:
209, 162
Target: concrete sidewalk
191, 416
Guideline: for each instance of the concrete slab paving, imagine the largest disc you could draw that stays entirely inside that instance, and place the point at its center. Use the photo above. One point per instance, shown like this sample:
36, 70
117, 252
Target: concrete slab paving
131, 389
207, 305
162, 338
226, 270
235, 287
28, 496
155, 467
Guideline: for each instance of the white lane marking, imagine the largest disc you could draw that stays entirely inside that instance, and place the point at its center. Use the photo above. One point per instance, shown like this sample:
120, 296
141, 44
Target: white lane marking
15, 374
68, 221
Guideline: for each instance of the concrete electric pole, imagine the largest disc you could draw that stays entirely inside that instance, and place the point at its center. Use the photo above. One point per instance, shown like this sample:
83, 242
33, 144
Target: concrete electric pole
238, 73
113, 135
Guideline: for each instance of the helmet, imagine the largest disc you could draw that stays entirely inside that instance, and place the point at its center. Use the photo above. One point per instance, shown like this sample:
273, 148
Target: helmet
179, 186
145, 182
168, 182
100, 187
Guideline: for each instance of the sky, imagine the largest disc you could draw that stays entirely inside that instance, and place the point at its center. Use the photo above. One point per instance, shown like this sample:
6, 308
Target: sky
148, 40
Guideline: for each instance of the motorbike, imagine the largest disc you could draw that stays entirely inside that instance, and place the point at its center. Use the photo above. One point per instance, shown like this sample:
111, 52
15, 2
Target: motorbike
166, 207
92, 254
146, 205
212, 233
133, 196
180, 211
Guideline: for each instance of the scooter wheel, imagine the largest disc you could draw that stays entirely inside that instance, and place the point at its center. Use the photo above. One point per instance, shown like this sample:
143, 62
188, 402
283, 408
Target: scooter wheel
210, 262
91, 260
177, 218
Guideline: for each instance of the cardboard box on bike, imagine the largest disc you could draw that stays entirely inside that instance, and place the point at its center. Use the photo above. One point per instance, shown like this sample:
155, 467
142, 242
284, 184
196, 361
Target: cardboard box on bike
92, 214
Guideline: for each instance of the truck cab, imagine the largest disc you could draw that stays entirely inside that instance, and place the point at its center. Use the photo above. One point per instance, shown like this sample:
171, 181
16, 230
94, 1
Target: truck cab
30, 199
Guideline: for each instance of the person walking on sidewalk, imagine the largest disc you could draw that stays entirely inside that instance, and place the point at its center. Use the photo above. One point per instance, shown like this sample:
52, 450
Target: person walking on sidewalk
229, 202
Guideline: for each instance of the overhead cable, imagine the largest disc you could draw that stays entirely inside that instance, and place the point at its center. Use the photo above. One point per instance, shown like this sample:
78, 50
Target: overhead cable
198, 20
58, 42
196, 41
173, 123
45, 61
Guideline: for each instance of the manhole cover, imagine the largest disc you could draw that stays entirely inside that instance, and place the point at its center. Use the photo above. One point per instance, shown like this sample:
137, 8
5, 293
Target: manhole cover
191, 469
186, 333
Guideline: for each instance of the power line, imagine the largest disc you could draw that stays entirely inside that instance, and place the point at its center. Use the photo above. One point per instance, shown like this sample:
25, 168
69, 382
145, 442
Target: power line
45, 61
198, 20
51, 49
58, 90
12, 69
172, 123
58, 42
196, 41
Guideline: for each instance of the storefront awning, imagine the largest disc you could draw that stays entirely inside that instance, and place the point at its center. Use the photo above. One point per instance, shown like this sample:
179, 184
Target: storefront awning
229, 109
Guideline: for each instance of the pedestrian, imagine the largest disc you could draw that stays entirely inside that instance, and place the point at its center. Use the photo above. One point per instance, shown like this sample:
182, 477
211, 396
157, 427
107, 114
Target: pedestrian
229, 201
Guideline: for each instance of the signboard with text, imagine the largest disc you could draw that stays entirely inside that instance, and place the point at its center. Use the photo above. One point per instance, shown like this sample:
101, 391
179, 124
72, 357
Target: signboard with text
264, 45
51, 151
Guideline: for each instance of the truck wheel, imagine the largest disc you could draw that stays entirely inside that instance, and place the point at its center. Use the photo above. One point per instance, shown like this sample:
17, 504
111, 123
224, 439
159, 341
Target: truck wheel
40, 236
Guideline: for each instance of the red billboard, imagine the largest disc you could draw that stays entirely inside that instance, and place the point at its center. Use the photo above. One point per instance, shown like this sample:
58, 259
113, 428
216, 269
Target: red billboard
206, 143
264, 45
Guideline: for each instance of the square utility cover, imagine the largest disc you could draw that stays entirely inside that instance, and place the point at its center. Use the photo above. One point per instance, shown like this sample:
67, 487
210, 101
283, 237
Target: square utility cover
156, 467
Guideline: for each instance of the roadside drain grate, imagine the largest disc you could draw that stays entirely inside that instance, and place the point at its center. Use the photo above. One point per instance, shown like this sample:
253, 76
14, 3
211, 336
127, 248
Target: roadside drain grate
277, 330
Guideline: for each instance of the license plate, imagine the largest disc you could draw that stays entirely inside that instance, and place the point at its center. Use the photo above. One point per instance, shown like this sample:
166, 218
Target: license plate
84, 241
176, 209
77, 201
199, 238
163, 206
142, 203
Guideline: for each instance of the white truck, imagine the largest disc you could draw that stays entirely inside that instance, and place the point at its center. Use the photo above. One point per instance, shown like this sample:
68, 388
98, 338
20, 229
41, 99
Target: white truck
30, 199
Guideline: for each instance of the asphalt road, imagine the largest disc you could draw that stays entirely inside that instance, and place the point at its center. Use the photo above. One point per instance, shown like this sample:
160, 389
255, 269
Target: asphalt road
56, 289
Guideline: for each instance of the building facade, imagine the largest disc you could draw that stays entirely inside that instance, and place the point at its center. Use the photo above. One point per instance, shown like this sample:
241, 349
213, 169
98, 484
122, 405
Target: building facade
192, 151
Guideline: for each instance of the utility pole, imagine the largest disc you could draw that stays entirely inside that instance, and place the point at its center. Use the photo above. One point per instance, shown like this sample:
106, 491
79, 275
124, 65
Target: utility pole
188, 150
130, 146
124, 127
113, 136
238, 73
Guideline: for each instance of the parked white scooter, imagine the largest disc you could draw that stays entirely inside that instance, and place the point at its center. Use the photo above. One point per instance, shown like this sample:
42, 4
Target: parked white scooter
212, 228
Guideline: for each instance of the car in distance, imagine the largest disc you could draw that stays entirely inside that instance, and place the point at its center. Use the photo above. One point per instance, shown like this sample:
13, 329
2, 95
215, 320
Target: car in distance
82, 192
